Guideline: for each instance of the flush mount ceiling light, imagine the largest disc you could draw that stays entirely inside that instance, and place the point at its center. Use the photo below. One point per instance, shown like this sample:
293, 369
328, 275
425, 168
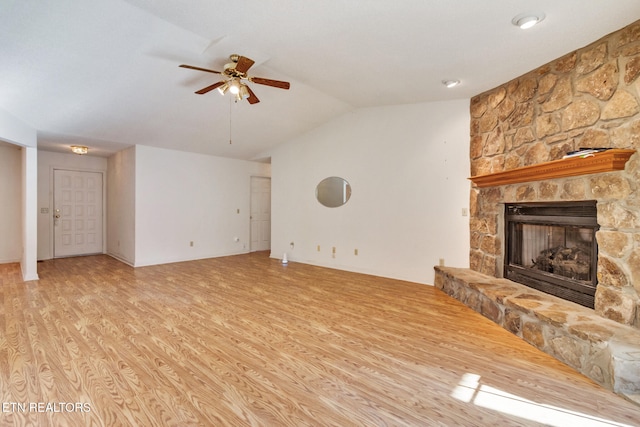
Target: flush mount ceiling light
79, 149
527, 20
451, 83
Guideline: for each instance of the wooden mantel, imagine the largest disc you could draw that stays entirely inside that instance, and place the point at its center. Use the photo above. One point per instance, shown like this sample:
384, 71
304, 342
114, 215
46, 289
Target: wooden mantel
605, 161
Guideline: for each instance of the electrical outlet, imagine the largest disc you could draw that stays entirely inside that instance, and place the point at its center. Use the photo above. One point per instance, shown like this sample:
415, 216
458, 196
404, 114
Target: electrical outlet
318, 248
355, 252
291, 245
441, 262
465, 212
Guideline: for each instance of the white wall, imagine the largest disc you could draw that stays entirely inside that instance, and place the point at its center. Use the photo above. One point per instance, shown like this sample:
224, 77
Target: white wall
121, 201
17, 132
29, 261
182, 197
47, 162
407, 166
11, 199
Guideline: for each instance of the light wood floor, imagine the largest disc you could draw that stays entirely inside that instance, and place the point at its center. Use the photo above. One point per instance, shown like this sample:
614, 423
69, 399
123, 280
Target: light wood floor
244, 340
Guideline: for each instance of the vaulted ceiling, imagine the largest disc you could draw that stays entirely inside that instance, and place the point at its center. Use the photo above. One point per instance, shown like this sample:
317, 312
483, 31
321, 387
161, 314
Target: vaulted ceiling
104, 73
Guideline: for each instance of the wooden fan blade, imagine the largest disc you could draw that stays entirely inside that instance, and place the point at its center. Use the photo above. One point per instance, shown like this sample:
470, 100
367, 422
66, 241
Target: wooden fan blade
199, 69
244, 64
253, 99
269, 82
209, 88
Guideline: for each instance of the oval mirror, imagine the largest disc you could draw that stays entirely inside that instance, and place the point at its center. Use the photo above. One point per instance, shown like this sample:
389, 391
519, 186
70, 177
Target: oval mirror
333, 192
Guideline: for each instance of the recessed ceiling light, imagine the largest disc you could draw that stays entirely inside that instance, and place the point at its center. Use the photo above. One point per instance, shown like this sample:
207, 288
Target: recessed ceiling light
527, 20
451, 83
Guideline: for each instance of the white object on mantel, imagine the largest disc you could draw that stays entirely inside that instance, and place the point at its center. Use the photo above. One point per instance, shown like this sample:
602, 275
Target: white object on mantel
284, 259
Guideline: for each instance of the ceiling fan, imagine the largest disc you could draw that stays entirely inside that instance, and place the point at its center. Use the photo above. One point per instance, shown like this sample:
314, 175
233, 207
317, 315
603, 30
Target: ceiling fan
235, 77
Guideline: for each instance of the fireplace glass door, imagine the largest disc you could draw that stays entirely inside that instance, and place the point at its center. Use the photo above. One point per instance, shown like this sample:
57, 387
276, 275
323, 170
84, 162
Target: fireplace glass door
552, 248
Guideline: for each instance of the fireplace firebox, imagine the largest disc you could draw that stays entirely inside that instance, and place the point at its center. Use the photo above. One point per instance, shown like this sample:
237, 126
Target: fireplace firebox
552, 247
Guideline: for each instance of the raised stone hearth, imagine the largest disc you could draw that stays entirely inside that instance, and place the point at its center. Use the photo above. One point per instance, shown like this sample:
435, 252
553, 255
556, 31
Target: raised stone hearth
603, 350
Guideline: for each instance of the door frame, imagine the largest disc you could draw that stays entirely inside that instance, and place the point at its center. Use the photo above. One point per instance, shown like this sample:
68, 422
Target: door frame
52, 170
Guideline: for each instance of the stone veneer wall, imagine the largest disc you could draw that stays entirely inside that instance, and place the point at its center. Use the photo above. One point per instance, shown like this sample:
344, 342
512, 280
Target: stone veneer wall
588, 98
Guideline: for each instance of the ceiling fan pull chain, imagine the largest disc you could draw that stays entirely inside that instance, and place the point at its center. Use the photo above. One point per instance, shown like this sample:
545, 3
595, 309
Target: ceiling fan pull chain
230, 121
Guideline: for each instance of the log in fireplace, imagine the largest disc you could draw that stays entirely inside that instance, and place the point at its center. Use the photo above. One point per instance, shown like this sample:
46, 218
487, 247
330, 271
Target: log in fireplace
552, 247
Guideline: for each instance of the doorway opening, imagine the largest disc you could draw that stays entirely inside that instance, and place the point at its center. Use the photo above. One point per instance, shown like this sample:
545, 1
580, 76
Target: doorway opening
260, 239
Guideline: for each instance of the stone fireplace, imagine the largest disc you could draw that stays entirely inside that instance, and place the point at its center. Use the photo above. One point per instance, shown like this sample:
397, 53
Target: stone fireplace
589, 98
520, 132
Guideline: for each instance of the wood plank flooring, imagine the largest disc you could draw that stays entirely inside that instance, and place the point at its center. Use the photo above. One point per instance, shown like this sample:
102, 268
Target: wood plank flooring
246, 341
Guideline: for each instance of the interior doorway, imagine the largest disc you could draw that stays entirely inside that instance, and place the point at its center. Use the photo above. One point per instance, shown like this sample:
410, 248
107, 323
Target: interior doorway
77, 213
260, 214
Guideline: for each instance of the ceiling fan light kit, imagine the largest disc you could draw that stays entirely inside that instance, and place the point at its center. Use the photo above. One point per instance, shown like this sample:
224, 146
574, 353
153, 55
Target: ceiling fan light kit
244, 92
235, 77
234, 86
223, 89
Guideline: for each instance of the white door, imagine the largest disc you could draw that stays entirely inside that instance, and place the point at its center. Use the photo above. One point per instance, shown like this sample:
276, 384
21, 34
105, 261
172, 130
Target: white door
77, 213
260, 214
